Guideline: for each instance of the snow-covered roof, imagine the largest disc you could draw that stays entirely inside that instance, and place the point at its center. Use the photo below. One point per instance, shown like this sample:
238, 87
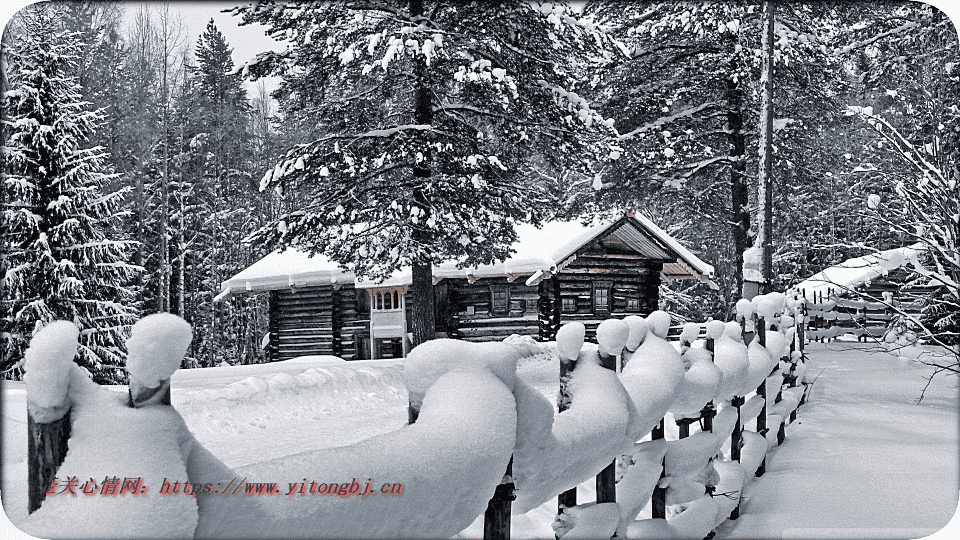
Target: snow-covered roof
536, 250
854, 272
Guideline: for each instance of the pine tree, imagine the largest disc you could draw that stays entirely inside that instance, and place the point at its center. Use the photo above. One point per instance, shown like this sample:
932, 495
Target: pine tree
59, 260
223, 199
430, 117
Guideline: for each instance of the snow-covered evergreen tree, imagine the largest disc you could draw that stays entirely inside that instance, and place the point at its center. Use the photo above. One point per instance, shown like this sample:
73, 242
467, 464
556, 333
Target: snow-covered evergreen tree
430, 118
60, 260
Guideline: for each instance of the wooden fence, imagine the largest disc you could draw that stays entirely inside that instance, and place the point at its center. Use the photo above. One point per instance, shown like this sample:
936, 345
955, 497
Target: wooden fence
47, 438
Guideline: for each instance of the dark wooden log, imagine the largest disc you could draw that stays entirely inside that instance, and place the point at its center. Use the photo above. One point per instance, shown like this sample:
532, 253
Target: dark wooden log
496, 519
567, 499
659, 499
607, 479
736, 439
710, 410
557, 308
761, 328
46, 448
545, 310
273, 351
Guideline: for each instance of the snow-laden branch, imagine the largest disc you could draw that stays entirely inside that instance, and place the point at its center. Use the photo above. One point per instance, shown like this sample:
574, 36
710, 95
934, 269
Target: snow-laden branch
663, 120
866, 42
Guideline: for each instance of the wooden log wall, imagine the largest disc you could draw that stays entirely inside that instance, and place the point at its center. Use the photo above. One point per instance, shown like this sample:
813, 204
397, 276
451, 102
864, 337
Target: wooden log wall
626, 278
304, 322
485, 323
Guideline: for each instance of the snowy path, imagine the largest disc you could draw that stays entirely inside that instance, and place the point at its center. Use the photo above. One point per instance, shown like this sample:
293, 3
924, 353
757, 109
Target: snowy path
864, 460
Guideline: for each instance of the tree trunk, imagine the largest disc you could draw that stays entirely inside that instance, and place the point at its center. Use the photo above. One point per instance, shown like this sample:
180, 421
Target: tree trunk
739, 196
765, 183
423, 314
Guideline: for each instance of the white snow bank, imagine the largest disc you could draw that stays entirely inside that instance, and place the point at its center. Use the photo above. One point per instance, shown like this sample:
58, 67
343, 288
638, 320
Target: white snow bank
583, 440
638, 331
728, 490
590, 521
644, 466
449, 464
751, 409
570, 340
753, 451
699, 383
731, 357
759, 368
612, 336
48, 363
854, 272
429, 361
110, 440
155, 349
696, 519
653, 376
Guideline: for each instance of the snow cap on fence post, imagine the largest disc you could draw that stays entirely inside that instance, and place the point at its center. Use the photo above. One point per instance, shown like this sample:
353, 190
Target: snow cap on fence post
638, 331
48, 362
659, 322
689, 334
745, 308
570, 340
612, 336
155, 349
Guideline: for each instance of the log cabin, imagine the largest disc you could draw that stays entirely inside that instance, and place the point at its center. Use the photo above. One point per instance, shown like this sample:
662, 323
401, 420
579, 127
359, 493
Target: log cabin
564, 271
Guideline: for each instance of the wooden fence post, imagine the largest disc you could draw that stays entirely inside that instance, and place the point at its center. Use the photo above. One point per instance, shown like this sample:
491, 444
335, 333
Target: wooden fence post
736, 439
46, 448
709, 411
761, 328
496, 519
611, 338
569, 342
659, 498
48, 363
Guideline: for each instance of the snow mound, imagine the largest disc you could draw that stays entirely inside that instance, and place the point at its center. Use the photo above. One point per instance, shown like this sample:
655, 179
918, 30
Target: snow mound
156, 347
699, 383
111, 440
731, 357
449, 464
429, 361
48, 363
589, 521
653, 377
582, 440
570, 340
644, 466
638, 331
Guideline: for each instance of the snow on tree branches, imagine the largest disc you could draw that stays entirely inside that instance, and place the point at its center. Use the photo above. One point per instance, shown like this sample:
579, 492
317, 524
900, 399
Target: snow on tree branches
430, 120
58, 259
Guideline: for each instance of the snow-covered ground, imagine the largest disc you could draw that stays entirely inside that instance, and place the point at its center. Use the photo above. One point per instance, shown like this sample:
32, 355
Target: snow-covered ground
863, 461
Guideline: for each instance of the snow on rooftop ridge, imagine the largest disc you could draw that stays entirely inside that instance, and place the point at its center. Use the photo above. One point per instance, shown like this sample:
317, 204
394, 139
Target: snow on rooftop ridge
685, 254
536, 250
854, 272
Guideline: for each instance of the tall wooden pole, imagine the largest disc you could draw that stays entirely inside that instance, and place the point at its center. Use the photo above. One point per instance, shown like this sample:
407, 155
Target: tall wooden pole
765, 195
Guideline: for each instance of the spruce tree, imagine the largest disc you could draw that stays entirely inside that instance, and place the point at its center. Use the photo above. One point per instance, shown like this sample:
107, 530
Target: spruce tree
433, 122
60, 260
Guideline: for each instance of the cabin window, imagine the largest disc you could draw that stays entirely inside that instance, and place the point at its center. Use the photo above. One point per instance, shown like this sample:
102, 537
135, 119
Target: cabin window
601, 296
633, 305
569, 305
500, 301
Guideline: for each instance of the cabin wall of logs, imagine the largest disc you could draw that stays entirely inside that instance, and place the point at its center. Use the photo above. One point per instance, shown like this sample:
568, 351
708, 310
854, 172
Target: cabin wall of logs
592, 287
